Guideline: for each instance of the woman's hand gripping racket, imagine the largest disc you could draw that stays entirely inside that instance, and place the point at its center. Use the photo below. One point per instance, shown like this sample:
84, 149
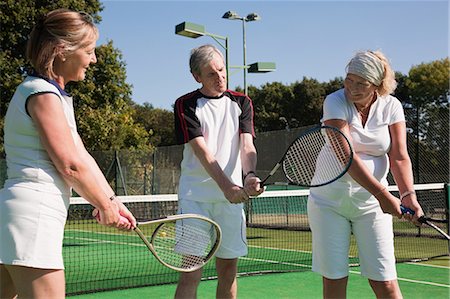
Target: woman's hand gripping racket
317, 157
428, 221
184, 242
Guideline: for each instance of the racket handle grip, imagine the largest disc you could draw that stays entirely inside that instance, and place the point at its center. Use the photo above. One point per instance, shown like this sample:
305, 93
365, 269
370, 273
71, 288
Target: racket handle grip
406, 210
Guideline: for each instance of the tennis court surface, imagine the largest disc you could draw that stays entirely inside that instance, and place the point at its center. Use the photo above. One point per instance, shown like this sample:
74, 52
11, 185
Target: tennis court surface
99, 258
306, 285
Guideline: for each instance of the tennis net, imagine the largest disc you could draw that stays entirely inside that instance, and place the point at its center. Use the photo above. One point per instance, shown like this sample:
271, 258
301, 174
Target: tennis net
101, 258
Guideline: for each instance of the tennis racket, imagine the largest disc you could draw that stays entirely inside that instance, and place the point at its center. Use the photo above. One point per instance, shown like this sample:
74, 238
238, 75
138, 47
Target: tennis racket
184, 242
428, 221
317, 157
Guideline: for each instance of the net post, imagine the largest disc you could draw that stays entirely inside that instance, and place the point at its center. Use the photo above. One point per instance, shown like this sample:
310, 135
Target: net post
447, 203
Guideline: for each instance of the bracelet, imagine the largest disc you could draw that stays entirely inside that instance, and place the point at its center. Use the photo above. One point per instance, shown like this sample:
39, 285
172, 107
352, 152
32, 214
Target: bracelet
250, 172
406, 194
113, 197
379, 192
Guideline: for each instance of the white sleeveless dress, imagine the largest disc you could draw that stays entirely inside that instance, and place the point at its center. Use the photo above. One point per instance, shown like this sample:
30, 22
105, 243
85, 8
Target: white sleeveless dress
35, 198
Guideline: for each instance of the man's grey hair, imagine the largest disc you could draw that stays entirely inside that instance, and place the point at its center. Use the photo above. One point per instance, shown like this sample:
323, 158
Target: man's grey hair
201, 56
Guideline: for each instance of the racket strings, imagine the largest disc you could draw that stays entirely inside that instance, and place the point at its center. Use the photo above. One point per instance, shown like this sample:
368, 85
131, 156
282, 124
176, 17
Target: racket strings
299, 156
317, 158
341, 148
183, 246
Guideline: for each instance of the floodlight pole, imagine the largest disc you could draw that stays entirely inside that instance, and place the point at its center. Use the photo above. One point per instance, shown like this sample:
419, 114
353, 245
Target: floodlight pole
245, 56
217, 38
232, 15
192, 30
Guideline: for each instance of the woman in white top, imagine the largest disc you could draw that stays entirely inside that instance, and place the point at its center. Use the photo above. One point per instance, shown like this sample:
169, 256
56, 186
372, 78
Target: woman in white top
46, 159
359, 202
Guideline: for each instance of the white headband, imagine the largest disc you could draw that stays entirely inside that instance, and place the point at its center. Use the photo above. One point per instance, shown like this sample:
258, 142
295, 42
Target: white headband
368, 66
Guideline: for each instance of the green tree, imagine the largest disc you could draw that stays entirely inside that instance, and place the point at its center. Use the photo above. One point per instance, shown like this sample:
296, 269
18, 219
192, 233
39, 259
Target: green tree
429, 83
333, 85
402, 91
429, 91
103, 100
270, 104
278, 106
16, 21
159, 124
306, 107
105, 115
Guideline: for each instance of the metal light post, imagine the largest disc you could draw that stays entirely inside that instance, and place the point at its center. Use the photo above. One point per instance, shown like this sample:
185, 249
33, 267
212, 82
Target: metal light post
195, 30
231, 15
192, 30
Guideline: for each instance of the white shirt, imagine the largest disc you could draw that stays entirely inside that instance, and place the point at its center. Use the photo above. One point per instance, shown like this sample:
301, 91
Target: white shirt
371, 142
373, 138
28, 163
220, 121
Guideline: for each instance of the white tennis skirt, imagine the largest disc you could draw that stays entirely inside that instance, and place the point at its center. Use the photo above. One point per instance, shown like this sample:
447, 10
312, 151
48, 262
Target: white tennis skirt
32, 227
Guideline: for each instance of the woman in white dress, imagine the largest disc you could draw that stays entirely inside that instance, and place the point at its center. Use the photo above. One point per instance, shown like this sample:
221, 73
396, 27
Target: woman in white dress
359, 202
46, 159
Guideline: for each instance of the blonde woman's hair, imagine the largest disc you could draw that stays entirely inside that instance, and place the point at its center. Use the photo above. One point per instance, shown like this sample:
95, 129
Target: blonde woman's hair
388, 84
59, 32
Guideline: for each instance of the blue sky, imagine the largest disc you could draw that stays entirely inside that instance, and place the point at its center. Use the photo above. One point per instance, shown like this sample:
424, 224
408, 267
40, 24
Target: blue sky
313, 39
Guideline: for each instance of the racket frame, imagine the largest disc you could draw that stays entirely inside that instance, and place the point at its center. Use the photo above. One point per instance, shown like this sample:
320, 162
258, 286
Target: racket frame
173, 218
315, 128
427, 221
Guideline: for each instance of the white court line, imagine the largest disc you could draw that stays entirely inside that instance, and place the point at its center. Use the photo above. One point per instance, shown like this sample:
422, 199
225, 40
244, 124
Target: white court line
93, 241
97, 241
425, 282
288, 250
115, 234
428, 265
279, 249
352, 272
414, 281
97, 233
275, 262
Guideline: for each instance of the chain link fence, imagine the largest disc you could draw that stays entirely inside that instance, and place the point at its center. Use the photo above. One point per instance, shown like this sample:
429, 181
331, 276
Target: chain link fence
136, 172
427, 137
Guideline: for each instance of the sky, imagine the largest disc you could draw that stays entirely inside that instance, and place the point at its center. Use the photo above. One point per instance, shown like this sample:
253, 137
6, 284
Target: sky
312, 39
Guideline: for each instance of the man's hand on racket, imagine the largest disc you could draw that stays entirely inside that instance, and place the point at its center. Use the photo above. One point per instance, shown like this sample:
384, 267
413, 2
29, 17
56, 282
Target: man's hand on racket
252, 185
236, 194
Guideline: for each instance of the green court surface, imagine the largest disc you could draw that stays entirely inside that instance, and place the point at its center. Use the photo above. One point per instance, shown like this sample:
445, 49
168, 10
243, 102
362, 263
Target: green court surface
99, 259
417, 280
127, 262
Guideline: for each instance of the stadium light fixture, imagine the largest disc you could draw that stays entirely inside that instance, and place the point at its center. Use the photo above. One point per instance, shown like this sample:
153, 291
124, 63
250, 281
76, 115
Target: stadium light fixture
193, 30
232, 15
261, 67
